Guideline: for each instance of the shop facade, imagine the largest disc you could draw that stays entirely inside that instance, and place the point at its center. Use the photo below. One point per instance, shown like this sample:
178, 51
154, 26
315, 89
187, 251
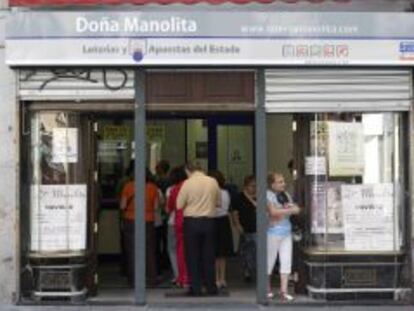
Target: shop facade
342, 80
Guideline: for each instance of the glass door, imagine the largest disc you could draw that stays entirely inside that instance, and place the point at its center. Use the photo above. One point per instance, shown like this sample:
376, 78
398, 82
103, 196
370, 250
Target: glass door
235, 152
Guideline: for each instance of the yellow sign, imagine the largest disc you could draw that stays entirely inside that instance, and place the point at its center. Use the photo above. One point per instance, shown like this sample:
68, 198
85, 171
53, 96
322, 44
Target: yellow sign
116, 132
156, 133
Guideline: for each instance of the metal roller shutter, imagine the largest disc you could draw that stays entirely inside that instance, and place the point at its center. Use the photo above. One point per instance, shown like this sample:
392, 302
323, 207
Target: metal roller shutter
76, 84
333, 90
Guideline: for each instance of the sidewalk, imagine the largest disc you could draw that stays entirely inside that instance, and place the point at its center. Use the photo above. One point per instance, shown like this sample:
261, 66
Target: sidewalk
204, 307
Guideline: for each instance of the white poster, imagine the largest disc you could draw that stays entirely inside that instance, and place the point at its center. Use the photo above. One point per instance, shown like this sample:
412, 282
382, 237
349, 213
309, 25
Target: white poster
373, 124
334, 214
368, 217
326, 206
346, 149
315, 166
58, 218
319, 138
318, 207
65, 145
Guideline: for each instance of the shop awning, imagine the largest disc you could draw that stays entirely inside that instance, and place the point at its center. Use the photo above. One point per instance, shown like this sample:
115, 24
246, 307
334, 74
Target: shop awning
38, 3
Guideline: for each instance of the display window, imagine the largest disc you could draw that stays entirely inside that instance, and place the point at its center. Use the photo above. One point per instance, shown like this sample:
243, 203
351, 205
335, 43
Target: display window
336, 194
354, 172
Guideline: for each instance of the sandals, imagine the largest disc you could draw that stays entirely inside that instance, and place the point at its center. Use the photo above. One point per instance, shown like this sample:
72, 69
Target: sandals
285, 297
221, 285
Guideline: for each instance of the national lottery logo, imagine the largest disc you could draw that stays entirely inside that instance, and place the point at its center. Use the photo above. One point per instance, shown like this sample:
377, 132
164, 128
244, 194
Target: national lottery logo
407, 47
137, 49
406, 50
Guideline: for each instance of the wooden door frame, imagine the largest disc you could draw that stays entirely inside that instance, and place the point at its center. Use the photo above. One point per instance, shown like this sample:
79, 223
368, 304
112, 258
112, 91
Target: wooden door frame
87, 122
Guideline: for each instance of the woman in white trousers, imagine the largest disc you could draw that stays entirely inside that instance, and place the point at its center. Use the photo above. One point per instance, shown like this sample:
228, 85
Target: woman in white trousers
279, 234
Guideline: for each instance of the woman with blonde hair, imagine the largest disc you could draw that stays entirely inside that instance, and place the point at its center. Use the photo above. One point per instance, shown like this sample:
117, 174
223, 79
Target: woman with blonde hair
279, 235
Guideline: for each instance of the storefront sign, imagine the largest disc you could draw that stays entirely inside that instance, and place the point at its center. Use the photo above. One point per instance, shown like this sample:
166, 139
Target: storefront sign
346, 149
64, 145
58, 218
368, 217
205, 38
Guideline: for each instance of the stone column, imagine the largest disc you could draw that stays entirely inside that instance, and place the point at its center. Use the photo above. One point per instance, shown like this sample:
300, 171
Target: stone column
9, 163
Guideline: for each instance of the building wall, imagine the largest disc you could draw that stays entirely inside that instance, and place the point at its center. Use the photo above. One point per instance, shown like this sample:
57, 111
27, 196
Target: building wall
8, 171
411, 230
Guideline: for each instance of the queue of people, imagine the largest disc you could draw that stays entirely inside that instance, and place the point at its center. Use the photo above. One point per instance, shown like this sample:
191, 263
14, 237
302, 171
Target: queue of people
199, 215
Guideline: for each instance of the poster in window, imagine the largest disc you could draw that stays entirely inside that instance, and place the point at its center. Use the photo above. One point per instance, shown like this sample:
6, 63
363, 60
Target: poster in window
315, 165
319, 138
334, 214
326, 206
346, 149
318, 207
368, 217
58, 218
201, 149
64, 145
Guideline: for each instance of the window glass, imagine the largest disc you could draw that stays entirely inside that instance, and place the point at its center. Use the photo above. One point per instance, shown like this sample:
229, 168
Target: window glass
58, 189
353, 167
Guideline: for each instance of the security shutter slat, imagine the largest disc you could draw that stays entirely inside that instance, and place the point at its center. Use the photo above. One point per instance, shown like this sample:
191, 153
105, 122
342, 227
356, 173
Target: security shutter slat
308, 90
338, 88
76, 84
343, 72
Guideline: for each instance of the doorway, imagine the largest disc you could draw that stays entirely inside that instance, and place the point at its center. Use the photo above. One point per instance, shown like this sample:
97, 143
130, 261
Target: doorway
215, 142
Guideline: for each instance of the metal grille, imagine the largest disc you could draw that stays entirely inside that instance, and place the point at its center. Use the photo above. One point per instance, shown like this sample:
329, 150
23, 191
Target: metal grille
336, 90
55, 280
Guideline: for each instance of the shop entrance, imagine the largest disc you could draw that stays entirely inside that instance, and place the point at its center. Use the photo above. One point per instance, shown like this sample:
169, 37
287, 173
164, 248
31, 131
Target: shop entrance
79, 159
84, 149
75, 161
217, 142
92, 162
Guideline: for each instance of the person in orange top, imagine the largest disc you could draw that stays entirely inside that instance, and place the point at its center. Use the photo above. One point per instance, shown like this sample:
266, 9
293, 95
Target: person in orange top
128, 213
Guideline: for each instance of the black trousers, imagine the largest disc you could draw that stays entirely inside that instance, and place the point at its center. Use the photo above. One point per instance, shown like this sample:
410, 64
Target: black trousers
199, 240
129, 240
